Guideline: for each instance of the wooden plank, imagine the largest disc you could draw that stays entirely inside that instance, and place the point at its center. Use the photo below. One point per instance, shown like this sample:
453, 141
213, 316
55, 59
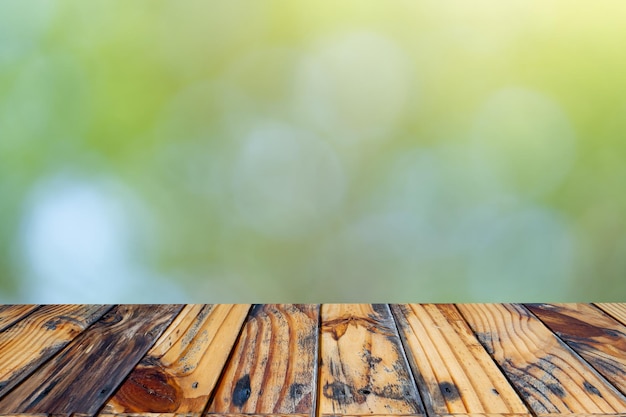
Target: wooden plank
547, 374
9, 314
24, 415
363, 367
35, 339
149, 415
617, 310
598, 338
273, 367
82, 376
256, 415
180, 372
456, 374
487, 415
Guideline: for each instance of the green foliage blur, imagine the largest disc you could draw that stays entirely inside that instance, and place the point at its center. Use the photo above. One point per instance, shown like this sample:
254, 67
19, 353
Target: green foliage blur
424, 151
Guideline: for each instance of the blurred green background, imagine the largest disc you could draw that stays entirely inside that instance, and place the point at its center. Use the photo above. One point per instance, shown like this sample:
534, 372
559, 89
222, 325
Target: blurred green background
196, 151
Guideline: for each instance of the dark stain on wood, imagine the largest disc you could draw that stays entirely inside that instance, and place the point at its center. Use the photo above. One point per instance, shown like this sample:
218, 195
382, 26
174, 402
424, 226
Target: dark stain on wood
486, 339
449, 391
296, 390
402, 392
242, 391
381, 311
591, 389
370, 360
556, 389
337, 391
564, 324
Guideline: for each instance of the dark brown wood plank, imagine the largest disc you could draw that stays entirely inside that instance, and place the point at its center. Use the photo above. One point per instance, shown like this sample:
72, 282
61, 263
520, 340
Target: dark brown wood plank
35, 339
273, 368
456, 374
547, 374
363, 367
82, 376
598, 338
10, 314
180, 372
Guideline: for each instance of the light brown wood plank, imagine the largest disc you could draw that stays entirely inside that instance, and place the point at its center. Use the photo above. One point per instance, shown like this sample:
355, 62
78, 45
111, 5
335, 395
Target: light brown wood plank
149, 415
616, 310
180, 372
484, 415
363, 367
82, 376
457, 375
547, 374
257, 415
25, 415
10, 314
273, 368
35, 339
595, 336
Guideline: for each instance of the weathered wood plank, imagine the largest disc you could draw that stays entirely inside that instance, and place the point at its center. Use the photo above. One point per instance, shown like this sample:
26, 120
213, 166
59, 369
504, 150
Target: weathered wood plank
456, 374
487, 415
363, 367
256, 415
35, 339
180, 372
10, 314
548, 375
273, 368
617, 310
25, 415
82, 376
149, 415
598, 338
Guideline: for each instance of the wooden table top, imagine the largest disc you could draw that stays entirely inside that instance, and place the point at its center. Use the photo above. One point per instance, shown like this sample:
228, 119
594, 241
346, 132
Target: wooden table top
314, 360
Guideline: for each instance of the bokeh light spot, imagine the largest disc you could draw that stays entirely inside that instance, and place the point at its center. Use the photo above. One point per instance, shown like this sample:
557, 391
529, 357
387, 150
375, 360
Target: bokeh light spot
526, 139
354, 87
77, 246
286, 181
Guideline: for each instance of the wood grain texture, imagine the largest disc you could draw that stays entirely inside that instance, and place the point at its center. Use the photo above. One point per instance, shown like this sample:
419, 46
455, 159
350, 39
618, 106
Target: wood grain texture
485, 415
547, 374
617, 310
82, 376
273, 367
455, 372
363, 367
10, 314
256, 415
149, 415
180, 372
40, 335
24, 415
595, 336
